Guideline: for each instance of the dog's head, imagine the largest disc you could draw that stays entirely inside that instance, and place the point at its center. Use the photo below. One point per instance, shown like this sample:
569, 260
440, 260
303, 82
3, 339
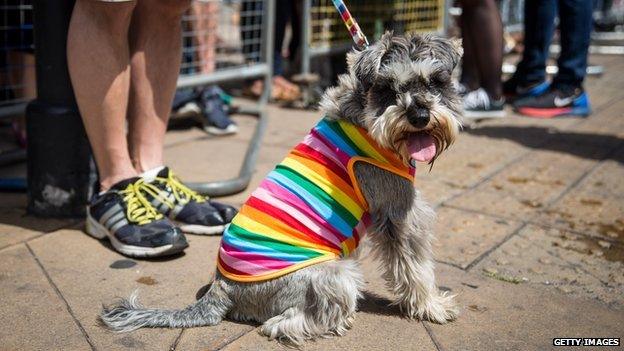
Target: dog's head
400, 90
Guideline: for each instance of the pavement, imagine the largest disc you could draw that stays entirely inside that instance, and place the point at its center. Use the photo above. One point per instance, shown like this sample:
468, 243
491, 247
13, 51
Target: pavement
530, 234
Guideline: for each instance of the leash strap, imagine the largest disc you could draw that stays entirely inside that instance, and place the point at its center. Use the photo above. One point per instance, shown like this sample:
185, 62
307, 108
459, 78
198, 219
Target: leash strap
352, 26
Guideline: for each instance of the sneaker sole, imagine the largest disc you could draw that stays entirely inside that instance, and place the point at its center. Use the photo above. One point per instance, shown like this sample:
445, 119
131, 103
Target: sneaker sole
98, 231
554, 112
201, 229
231, 129
485, 114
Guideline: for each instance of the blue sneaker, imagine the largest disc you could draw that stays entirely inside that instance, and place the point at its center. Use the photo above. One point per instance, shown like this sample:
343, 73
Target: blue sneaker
513, 90
134, 227
555, 102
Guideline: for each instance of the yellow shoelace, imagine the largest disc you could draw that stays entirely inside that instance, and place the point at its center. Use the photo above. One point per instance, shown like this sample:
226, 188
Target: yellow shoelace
139, 210
181, 192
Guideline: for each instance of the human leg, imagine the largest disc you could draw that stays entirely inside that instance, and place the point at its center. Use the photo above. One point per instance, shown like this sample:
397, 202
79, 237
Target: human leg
155, 47
98, 60
575, 22
485, 47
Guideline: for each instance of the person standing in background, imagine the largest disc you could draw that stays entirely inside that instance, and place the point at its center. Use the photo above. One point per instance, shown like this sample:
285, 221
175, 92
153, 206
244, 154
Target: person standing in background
124, 59
482, 34
565, 95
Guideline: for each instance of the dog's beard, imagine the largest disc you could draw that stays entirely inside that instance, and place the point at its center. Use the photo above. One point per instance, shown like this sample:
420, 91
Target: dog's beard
392, 129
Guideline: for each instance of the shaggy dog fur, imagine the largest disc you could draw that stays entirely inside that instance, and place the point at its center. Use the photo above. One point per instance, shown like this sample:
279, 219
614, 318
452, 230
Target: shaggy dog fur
395, 88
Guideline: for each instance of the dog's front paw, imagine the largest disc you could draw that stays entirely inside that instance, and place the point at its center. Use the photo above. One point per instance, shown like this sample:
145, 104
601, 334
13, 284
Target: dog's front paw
436, 308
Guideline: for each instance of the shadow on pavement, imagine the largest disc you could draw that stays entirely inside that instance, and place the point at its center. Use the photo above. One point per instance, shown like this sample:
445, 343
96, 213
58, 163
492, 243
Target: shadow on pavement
544, 138
375, 304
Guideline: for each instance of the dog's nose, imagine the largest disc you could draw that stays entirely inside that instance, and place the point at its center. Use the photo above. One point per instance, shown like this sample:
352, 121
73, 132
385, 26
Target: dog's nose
418, 116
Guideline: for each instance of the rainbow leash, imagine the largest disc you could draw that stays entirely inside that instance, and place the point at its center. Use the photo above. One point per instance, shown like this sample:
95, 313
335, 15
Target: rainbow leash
352, 26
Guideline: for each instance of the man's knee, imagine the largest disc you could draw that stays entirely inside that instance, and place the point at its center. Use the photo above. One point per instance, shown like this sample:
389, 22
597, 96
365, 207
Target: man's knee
113, 15
173, 8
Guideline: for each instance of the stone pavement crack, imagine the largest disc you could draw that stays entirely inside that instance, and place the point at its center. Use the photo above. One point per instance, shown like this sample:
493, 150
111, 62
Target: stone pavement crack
234, 338
58, 292
177, 340
493, 248
437, 344
64, 226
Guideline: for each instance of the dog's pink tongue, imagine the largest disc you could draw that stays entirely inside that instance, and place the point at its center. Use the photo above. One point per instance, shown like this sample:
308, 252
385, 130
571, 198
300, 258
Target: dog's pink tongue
421, 147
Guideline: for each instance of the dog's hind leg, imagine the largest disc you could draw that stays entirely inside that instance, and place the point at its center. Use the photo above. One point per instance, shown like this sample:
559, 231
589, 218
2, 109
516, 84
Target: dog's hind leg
328, 308
401, 238
128, 315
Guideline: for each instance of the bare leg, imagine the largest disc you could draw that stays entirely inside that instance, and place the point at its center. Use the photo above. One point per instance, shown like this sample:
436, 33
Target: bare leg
155, 44
204, 24
97, 54
469, 70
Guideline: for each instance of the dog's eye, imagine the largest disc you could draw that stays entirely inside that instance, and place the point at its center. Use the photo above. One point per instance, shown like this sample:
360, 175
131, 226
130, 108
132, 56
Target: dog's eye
440, 79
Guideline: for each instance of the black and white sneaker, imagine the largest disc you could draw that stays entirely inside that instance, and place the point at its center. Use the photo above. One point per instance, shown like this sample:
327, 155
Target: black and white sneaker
479, 105
194, 213
125, 216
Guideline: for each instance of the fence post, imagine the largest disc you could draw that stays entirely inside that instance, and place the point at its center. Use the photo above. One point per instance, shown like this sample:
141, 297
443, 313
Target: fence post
306, 29
59, 157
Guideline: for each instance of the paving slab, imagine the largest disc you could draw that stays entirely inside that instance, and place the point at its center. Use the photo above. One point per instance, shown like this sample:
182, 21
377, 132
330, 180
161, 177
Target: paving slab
467, 161
33, 316
503, 316
595, 207
16, 226
435, 190
526, 187
88, 273
561, 261
462, 237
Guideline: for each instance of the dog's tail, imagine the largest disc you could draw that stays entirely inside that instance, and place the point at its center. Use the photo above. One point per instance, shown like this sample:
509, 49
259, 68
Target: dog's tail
127, 314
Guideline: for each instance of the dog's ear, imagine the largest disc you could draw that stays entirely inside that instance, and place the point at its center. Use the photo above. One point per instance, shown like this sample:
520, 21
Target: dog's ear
427, 45
365, 64
458, 50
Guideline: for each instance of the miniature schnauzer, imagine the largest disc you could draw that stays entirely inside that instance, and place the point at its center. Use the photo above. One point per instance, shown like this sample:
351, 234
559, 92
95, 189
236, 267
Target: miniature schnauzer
398, 94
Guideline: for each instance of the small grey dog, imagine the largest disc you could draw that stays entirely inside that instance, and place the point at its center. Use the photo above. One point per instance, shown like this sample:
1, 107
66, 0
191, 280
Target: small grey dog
399, 90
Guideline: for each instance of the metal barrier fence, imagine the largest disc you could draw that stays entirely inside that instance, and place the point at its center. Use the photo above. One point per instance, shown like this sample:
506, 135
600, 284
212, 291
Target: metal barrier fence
226, 41
512, 15
325, 32
17, 69
223, 40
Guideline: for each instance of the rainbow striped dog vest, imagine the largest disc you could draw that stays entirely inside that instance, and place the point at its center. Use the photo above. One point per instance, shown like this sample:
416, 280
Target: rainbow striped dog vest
309, 209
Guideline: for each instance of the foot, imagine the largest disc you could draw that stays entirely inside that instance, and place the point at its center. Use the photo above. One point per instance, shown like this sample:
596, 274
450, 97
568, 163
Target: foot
478, 105
215, 117
124, 216
438, 308
555, 102
513, 89
194, 213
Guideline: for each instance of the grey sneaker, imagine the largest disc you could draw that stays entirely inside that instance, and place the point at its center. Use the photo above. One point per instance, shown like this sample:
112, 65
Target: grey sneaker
134, 227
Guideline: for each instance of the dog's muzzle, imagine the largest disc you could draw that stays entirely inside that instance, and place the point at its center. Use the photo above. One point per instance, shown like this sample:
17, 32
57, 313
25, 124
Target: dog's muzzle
418, 117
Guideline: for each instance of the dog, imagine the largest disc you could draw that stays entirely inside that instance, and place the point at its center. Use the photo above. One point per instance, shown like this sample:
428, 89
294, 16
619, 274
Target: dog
396, 103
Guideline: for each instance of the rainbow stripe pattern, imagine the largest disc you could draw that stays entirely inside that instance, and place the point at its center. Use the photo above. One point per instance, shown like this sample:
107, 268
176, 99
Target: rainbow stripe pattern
352, 26
309, 209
